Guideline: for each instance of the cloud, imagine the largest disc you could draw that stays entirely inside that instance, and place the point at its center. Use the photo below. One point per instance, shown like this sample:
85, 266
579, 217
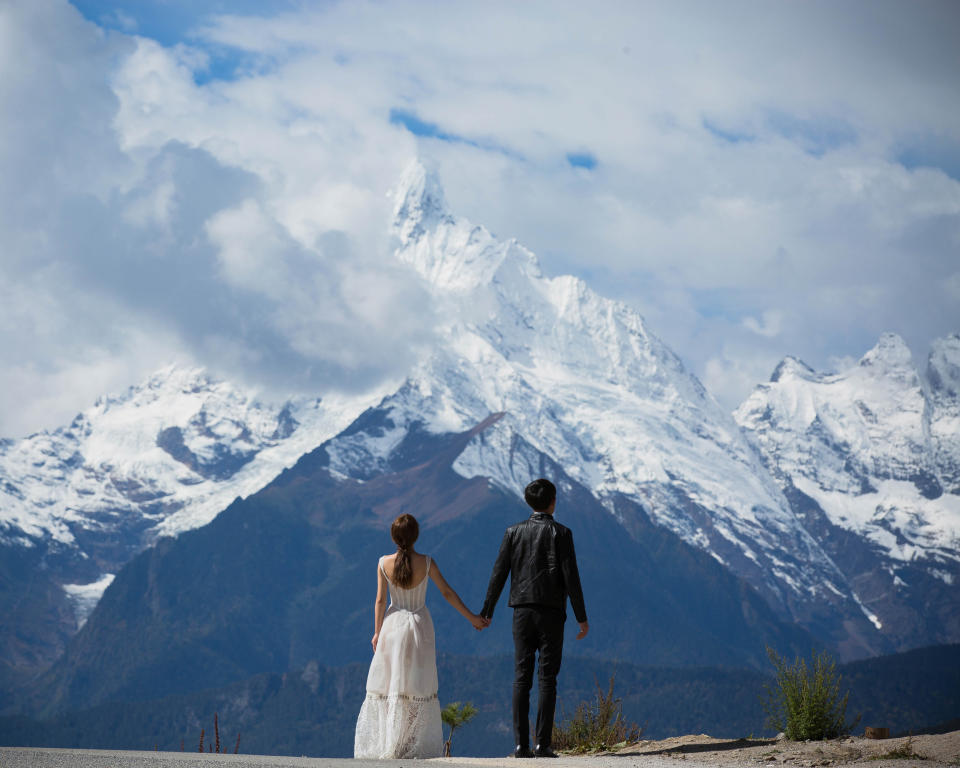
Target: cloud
759, 179
730, 372
769, 325
763, 164
127, 243
118, 19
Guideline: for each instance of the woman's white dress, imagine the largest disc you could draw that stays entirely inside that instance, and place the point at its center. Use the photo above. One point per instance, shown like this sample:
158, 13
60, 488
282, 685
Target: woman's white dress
400, 717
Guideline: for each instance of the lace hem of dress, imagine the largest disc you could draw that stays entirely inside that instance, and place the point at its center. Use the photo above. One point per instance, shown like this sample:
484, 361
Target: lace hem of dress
405, 697
398, 726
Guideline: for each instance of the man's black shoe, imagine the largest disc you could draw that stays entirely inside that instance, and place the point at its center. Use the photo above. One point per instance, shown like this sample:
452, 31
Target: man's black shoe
522, 751
544, 752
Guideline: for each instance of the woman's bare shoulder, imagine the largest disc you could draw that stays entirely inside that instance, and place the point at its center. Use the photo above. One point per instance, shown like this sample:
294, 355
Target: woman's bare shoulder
392, 558
419, 563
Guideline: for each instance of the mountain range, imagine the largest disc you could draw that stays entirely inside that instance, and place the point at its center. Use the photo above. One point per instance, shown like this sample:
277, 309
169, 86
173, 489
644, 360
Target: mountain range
868, 460
187, 534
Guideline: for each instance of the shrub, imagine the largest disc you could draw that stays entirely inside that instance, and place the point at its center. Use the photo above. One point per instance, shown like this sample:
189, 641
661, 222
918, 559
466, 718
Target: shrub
805, 702
455, 715
904, 751
597, 725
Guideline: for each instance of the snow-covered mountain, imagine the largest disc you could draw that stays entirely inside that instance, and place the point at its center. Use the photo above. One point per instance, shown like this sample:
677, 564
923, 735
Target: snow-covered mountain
162, 458
816, 484
581, 379
943, 397
874, 451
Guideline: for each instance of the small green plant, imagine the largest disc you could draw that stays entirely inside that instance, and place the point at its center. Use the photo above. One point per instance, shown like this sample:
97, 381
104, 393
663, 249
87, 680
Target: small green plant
455, 715
597, 725
805, 702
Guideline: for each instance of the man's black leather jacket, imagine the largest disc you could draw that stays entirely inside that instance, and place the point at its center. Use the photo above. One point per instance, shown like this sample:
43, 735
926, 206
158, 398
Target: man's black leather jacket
539, 557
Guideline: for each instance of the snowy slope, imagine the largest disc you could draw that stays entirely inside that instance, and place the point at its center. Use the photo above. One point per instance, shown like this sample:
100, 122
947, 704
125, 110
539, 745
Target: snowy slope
867, 446
164, 457
875, 452
582, 380
943, 377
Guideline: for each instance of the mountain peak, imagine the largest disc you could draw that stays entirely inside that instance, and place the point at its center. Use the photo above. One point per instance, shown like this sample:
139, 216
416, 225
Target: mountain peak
418, 201
171, 378
792, 365
451, 253
187, 378
891, 351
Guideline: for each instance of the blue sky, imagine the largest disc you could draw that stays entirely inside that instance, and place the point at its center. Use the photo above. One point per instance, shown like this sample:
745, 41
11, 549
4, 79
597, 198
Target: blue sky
760, 179
173, 22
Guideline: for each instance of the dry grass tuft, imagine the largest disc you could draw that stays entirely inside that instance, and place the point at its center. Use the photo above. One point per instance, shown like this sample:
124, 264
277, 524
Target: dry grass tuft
596, 726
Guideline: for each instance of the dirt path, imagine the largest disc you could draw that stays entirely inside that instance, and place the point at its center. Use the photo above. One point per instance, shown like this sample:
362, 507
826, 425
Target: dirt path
923, 750
697, 751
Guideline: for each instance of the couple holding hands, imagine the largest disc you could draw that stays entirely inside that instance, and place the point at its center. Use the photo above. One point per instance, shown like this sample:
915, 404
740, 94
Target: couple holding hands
400, 716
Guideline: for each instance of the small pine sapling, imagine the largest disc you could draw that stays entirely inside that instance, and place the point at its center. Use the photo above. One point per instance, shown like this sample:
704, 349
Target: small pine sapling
455, 715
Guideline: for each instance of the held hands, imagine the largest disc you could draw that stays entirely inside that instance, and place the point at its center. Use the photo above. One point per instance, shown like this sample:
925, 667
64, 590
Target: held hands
479, 622
584, 628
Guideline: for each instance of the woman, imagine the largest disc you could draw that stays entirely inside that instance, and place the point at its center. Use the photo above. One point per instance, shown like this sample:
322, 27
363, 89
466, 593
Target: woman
400, 717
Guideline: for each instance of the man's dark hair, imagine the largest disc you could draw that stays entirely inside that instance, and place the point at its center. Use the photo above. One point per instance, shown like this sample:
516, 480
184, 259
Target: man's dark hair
540, 494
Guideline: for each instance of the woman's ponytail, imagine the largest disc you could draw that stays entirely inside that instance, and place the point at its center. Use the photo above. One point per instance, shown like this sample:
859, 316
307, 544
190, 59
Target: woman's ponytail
404, 533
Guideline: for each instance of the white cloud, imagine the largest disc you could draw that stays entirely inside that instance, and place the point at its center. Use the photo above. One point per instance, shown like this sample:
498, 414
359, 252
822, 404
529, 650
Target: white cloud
135, 231
793, 204
769, 325
120, 20
249, 249
840, 364
730, 373
748, 192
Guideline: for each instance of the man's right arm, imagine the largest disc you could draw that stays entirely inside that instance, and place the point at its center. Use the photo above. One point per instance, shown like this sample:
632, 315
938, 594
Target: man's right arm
571, 579
501, 569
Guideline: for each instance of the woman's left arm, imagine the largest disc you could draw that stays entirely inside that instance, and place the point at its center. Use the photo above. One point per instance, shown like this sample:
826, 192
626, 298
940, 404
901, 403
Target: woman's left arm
379, 607
453, 598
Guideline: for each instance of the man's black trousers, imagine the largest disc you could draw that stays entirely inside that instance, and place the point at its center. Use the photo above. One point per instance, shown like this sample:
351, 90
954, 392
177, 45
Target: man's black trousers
536, 629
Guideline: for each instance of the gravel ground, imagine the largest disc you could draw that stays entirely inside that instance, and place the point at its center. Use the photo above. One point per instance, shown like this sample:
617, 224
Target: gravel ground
925, 751
928, 750
26, 757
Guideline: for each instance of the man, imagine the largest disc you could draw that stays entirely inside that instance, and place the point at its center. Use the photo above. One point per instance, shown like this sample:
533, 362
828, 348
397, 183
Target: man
539, 556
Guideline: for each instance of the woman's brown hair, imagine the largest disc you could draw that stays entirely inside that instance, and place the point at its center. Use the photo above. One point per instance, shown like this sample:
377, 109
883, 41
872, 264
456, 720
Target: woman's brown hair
404, 533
